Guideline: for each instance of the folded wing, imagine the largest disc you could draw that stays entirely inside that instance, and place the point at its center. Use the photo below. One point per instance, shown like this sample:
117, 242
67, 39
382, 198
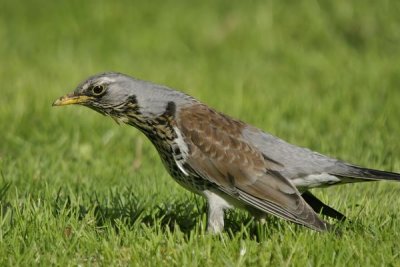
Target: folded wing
220, 155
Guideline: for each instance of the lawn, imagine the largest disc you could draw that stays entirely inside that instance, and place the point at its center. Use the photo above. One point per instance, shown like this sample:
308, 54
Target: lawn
77, 189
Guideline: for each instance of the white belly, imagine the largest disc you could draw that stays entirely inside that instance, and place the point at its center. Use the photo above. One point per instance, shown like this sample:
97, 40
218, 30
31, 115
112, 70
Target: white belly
315, 180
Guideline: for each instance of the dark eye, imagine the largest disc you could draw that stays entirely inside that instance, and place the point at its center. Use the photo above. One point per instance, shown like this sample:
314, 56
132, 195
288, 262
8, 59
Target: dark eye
98, 89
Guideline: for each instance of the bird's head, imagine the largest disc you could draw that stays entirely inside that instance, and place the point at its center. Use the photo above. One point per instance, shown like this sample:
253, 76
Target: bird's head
124, 98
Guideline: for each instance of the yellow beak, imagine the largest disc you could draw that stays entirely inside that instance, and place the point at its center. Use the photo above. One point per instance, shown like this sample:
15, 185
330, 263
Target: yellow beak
71, 99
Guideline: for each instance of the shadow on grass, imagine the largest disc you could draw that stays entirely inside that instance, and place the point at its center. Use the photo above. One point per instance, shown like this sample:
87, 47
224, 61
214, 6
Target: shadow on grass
126, 207
4, 204
185, 215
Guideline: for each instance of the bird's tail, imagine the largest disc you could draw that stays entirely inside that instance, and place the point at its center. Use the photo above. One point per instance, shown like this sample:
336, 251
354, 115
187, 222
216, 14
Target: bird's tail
371, 174
380, 175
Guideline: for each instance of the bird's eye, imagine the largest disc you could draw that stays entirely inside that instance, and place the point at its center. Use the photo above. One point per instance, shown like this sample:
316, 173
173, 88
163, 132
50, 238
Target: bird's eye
98, 90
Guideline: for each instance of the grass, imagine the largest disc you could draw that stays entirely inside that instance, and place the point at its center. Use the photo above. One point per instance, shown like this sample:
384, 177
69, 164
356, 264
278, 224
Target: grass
75, 189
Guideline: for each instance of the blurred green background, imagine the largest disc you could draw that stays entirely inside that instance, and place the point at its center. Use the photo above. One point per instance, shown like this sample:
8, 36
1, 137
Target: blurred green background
321, 74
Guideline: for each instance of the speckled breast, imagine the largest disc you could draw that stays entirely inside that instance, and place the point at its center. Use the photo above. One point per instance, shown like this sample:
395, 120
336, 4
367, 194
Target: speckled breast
192, 182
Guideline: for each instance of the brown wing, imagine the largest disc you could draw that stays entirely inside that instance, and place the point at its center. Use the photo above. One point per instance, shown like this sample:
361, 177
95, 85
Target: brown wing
220, 155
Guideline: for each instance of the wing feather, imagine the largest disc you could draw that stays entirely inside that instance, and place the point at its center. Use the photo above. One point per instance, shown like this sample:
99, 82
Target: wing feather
219, 155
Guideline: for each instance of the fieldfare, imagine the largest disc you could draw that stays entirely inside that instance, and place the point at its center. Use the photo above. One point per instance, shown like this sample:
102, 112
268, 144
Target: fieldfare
230, 163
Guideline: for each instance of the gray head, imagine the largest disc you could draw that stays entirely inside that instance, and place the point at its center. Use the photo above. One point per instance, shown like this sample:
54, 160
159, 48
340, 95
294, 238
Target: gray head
116, 94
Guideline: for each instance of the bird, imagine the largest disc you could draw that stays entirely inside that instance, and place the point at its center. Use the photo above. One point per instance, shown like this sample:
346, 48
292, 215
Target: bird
227, 161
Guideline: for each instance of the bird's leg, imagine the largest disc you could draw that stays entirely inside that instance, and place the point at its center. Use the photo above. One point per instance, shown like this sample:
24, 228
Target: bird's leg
259, 215
215, 215
215, 219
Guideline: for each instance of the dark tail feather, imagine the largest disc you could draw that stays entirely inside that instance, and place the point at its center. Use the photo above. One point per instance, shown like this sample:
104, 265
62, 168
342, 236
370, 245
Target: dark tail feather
359, 172
320, 207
